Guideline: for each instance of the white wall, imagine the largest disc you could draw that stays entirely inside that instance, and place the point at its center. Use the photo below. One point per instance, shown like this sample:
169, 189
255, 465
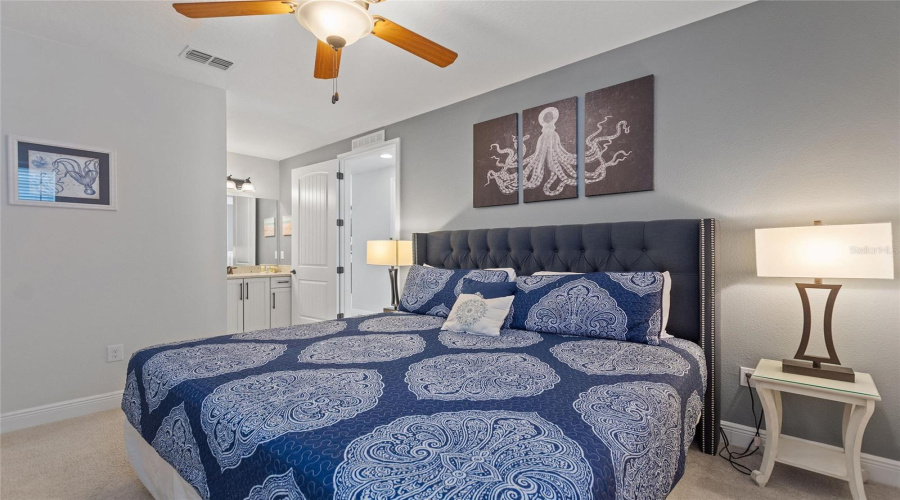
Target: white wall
772, 114
263, 173
75, 281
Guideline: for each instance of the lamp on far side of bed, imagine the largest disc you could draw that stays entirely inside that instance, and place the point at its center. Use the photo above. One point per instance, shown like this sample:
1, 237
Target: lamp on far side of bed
393, 253
817, 251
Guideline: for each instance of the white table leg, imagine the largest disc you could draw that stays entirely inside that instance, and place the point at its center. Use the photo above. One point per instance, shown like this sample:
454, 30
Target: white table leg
771, 402
855, 426
847, 409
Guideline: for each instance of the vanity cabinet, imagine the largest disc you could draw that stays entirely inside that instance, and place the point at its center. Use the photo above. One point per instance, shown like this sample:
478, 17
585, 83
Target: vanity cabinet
281, 302
258, 304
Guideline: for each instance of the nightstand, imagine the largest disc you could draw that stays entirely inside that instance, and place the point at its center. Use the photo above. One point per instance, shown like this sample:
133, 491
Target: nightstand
859, 402
390, 310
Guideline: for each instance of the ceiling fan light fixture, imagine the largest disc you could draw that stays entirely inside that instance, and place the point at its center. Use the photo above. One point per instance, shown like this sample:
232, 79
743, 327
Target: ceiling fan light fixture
337, 20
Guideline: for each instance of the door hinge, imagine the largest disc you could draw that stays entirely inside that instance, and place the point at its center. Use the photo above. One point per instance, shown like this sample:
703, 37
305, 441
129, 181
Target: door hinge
340, 176
340, 270
340, 315
340, 222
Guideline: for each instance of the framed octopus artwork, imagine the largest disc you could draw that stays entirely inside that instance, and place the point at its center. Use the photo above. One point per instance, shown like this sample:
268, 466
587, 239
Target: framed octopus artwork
549, 151
495, 164
53, 174
618, 129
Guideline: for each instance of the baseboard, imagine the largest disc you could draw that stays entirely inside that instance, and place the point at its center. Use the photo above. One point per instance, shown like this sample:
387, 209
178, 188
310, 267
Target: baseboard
881, 470
55, 412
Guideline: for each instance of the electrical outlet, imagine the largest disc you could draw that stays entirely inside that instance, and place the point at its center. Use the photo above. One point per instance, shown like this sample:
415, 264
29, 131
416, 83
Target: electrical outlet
745, 376
115, 353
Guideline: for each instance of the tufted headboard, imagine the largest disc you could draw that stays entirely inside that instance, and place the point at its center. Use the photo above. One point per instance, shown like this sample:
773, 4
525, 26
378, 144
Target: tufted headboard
684, 247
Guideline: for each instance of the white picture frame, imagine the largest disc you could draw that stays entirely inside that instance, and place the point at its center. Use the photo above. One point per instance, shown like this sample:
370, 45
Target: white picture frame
99, 164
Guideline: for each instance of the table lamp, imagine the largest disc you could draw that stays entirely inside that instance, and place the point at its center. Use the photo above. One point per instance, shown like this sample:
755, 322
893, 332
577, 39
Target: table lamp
391, 253
817, 251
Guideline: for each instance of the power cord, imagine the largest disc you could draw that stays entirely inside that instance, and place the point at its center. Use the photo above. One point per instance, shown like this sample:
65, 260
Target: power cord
731, 456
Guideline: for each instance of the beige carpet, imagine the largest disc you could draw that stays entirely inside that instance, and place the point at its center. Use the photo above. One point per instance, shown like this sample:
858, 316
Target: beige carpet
84, 458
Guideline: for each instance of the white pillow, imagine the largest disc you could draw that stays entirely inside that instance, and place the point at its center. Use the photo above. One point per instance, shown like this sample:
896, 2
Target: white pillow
479, 316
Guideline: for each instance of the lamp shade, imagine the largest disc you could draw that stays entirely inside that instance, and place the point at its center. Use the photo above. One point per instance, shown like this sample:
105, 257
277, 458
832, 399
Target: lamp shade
845, 251
389, 253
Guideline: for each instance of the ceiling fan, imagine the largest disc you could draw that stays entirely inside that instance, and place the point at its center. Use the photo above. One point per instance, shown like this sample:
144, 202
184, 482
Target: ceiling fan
335, 23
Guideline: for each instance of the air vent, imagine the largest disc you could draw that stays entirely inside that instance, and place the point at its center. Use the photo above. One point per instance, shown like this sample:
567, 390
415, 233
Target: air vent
367, 140
201, 57
218, 62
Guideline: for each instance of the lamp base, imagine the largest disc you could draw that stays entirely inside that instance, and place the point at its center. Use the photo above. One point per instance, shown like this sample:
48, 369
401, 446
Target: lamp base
808, 368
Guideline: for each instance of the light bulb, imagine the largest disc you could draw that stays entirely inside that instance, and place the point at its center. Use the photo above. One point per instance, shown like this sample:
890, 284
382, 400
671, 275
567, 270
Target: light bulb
335, 18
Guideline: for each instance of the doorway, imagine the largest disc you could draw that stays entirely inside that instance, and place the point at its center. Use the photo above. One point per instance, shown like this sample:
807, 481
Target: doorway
338, 206
371, 212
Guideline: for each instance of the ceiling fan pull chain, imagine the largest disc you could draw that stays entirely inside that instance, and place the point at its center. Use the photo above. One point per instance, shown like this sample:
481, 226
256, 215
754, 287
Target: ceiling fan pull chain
334, 97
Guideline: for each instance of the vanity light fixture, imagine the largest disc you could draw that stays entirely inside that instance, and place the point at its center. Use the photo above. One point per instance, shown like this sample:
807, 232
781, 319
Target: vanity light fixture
239, 184
386, 156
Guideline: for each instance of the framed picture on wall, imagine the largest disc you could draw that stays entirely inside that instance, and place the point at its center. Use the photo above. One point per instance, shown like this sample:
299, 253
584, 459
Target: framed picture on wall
287, 223
549, 151
618, 130
495, 163
54, 174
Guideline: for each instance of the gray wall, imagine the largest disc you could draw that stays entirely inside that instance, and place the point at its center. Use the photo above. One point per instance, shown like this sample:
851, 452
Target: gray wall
773, 114
75, 281
263, 173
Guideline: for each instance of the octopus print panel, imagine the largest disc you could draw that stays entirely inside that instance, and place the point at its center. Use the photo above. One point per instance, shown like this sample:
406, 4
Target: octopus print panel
466, 454
618, 129
496, 164
549, 151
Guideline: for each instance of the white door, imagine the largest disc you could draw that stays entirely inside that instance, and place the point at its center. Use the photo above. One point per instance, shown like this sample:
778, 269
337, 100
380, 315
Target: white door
257, 304
315, 243
235, 307
281, 307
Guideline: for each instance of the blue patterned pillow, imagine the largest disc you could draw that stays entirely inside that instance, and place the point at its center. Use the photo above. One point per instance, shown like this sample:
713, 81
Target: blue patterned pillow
618, 306
433, 291
489, 290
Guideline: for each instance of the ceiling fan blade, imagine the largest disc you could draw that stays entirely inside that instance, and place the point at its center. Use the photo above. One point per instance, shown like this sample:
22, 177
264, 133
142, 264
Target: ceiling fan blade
229, 9
414, 43
327, 65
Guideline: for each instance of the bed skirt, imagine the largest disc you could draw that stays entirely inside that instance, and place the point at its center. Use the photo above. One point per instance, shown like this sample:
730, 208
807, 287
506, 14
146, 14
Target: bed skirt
158, 476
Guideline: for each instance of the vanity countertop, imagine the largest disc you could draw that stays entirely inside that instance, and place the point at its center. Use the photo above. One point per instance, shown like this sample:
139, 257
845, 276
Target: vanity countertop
240, 276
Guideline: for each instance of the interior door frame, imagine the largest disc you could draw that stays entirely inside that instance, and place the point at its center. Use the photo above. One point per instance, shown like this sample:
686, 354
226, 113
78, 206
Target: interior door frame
393, 147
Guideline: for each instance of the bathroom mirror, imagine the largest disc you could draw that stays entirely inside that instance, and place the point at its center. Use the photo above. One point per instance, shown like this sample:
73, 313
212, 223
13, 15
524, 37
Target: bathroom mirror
254, 232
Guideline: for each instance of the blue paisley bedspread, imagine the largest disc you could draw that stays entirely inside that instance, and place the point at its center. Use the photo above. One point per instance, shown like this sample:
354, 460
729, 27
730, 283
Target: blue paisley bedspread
388, 406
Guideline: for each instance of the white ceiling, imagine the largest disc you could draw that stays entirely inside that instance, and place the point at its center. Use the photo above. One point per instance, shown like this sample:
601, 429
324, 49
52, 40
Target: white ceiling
276, 109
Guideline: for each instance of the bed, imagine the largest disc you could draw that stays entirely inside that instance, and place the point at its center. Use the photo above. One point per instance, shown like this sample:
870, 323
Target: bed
390, 406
